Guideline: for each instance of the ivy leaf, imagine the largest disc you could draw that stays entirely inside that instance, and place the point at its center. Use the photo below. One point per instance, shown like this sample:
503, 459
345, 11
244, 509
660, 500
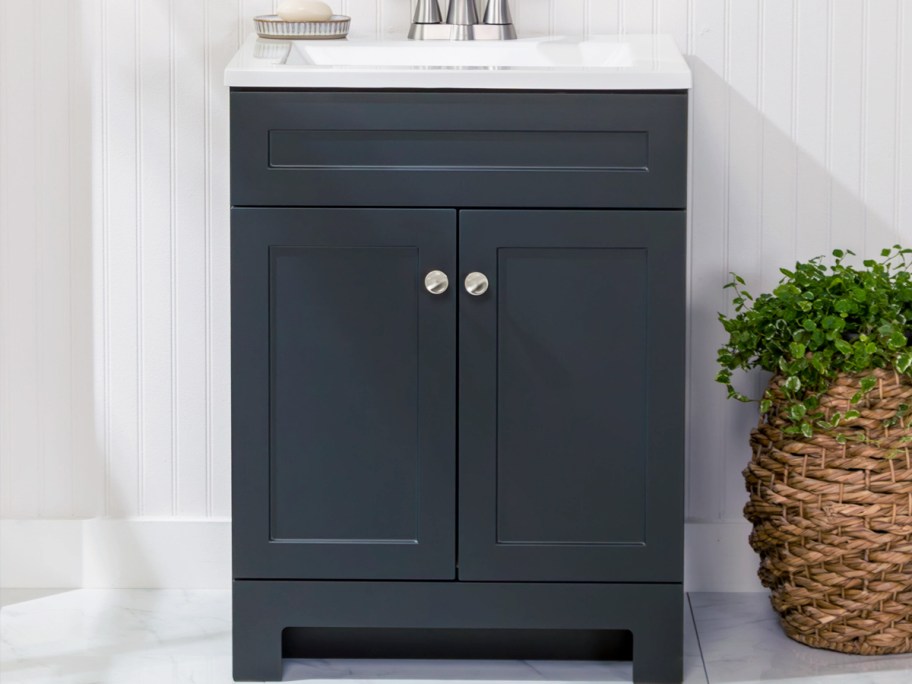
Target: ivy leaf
844, 306
793, 384
797, 411
896, 341
904, 362
843, 346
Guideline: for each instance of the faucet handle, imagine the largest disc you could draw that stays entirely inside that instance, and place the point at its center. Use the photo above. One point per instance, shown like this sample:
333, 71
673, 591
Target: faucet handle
498, 12
427, 12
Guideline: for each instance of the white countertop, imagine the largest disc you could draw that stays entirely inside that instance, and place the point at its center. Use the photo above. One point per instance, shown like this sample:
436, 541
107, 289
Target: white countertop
629, 62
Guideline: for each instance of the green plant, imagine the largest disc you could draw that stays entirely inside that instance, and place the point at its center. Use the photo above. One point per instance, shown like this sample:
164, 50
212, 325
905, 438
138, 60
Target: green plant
818, 323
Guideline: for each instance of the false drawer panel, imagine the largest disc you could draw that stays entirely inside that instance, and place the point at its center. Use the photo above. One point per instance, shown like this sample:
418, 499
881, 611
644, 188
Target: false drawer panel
459, 149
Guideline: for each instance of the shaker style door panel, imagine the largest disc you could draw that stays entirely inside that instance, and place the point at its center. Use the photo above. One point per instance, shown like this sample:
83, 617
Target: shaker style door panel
344, 394
571, 396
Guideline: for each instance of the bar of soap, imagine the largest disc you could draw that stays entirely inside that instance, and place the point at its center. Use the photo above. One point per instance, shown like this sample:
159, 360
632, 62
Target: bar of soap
304, 10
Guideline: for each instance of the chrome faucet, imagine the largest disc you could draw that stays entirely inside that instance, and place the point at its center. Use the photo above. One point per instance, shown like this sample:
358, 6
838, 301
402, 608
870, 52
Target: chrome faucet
462, 21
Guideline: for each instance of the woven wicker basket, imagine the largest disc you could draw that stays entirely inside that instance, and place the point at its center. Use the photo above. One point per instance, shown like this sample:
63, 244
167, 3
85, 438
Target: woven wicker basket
833, 522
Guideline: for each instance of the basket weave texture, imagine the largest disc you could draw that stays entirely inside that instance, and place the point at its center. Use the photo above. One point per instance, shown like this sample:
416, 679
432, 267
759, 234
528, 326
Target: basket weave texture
833, 522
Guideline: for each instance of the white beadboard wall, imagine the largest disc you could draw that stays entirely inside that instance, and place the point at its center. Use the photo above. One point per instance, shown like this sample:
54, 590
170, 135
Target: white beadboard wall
48, 455
114, 354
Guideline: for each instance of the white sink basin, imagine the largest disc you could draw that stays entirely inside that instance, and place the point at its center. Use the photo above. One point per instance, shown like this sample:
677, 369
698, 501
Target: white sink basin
557, 63
512, 54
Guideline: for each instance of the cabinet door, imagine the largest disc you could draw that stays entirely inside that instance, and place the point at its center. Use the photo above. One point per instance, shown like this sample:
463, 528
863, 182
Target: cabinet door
343, 391
571, 401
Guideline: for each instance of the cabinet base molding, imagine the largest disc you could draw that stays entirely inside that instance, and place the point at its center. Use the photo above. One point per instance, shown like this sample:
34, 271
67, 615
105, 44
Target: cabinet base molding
651, 613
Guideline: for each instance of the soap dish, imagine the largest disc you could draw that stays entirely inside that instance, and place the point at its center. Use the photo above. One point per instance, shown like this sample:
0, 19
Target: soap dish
272, 26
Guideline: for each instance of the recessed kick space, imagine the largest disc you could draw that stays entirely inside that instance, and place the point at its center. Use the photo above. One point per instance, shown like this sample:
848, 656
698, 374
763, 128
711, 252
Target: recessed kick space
457, 644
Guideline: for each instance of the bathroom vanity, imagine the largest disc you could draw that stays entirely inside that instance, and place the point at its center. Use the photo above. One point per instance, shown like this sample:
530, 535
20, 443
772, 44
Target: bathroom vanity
458, 312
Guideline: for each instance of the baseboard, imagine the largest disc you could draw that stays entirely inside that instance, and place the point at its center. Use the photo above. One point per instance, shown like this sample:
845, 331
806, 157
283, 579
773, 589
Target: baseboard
38, 554
139, 553
717, 557
196, 554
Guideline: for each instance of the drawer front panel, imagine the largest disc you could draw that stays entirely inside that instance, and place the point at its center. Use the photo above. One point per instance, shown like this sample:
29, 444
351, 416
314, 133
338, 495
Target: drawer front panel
324, 148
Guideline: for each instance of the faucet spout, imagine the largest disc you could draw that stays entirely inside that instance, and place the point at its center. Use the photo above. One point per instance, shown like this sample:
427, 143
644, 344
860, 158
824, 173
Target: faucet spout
462, 13
427, 12
498, 12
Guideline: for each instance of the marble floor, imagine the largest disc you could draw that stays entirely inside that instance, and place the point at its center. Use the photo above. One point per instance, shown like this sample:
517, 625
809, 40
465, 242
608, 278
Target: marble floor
160, 637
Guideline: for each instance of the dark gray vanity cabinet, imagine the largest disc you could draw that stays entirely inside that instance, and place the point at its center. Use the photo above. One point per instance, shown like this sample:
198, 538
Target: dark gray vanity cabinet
484, 464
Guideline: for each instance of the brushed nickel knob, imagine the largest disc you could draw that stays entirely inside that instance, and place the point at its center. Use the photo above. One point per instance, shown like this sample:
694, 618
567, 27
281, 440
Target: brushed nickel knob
476, 284
436, 282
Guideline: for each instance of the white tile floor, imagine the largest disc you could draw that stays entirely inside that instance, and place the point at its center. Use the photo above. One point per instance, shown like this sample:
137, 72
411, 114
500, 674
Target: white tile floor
164, 637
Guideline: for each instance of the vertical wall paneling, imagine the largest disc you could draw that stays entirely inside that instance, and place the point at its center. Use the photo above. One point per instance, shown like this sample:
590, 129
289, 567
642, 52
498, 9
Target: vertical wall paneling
21, 270
248, 9
708, 262
395, 16
903, 211
221, 46
638, 15
53, 254
671, 17
5, 313
365, 16
123, 493
6, 317
188, 250
742, 172
777, 81
533, 18
847, 109
85, 451
155, 269
568, 18
604, 17
8, 304
45, 269
114, 267
812, 122
100, 280
880, 125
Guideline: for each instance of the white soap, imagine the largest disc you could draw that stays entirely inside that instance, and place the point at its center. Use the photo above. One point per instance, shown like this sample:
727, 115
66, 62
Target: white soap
304, 10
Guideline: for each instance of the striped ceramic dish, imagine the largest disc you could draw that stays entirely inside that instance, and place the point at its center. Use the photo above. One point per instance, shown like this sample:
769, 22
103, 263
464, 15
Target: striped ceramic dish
271, 26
